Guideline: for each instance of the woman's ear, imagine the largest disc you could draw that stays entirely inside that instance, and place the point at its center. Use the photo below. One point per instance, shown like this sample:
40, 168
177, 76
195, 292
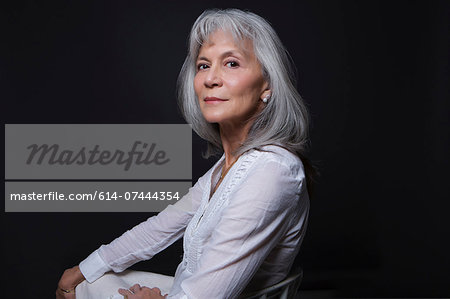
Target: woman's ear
266, 95
266, 92
266, 86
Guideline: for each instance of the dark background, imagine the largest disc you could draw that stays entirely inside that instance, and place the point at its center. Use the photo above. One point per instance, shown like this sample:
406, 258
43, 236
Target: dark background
374, 75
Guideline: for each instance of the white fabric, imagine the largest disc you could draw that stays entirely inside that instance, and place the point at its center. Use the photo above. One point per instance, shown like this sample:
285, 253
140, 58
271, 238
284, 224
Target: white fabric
246, 234
106, 287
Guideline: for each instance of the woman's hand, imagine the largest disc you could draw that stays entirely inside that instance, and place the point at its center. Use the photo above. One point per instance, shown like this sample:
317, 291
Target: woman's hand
138, 292
69, 280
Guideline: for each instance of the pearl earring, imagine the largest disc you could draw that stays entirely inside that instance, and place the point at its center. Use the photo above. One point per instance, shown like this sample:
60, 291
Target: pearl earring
266, 98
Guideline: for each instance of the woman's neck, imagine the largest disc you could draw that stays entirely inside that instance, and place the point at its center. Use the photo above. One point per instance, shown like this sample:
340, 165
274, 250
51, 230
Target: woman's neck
232, 138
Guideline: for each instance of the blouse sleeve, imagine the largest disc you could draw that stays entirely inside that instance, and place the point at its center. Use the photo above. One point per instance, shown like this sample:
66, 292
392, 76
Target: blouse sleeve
146, 239
258, 214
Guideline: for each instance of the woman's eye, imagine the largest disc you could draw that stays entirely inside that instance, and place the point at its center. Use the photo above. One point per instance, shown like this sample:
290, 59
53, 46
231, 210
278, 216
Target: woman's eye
201, 66
232, 64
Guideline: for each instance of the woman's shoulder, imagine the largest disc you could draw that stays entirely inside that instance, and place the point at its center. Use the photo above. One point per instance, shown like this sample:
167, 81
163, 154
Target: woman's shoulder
272, 162
273, 153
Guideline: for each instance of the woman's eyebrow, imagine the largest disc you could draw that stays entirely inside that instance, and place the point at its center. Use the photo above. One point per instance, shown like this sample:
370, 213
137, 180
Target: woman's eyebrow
223, 55
231, 53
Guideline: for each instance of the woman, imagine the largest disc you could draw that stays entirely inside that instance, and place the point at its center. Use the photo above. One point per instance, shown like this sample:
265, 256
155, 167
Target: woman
244, 220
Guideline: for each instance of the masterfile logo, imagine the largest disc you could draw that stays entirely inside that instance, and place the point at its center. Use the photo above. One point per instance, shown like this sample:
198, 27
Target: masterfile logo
79, 151
53, 154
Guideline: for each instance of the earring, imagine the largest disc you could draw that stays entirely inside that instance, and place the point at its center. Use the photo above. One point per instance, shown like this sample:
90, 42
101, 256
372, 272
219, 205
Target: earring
266, 98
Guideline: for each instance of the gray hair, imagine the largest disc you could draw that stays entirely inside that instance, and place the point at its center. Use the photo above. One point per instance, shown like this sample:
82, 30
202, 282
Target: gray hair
284, 119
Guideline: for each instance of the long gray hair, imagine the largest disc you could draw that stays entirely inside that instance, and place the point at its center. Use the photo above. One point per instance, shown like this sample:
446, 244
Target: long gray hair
284, 119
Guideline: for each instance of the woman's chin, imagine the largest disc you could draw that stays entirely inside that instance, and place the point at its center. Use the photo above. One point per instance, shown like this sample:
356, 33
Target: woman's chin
214, 118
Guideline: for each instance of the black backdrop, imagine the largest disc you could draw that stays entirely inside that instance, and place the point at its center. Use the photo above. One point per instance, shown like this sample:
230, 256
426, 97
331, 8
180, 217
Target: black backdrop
374, 74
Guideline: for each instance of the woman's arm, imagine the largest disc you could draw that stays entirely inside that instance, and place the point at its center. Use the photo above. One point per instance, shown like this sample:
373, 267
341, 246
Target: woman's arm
258, 215
146, 239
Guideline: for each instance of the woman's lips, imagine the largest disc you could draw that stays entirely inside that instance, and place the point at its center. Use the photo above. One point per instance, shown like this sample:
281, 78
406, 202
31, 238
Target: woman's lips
212, 100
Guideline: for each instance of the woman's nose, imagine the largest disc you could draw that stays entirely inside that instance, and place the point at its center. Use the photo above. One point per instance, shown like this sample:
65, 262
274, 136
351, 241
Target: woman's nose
213, 78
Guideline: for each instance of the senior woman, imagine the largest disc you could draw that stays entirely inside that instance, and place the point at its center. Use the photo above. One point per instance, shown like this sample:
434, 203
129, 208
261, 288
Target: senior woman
244, 220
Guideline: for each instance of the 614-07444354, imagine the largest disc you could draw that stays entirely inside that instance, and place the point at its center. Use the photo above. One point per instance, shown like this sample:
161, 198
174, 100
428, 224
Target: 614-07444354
161, 195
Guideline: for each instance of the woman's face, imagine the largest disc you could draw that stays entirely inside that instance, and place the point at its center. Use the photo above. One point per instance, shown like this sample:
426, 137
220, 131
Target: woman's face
229, 83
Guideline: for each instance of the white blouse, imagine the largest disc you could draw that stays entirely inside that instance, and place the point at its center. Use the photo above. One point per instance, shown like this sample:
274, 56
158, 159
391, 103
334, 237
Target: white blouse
245, 236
